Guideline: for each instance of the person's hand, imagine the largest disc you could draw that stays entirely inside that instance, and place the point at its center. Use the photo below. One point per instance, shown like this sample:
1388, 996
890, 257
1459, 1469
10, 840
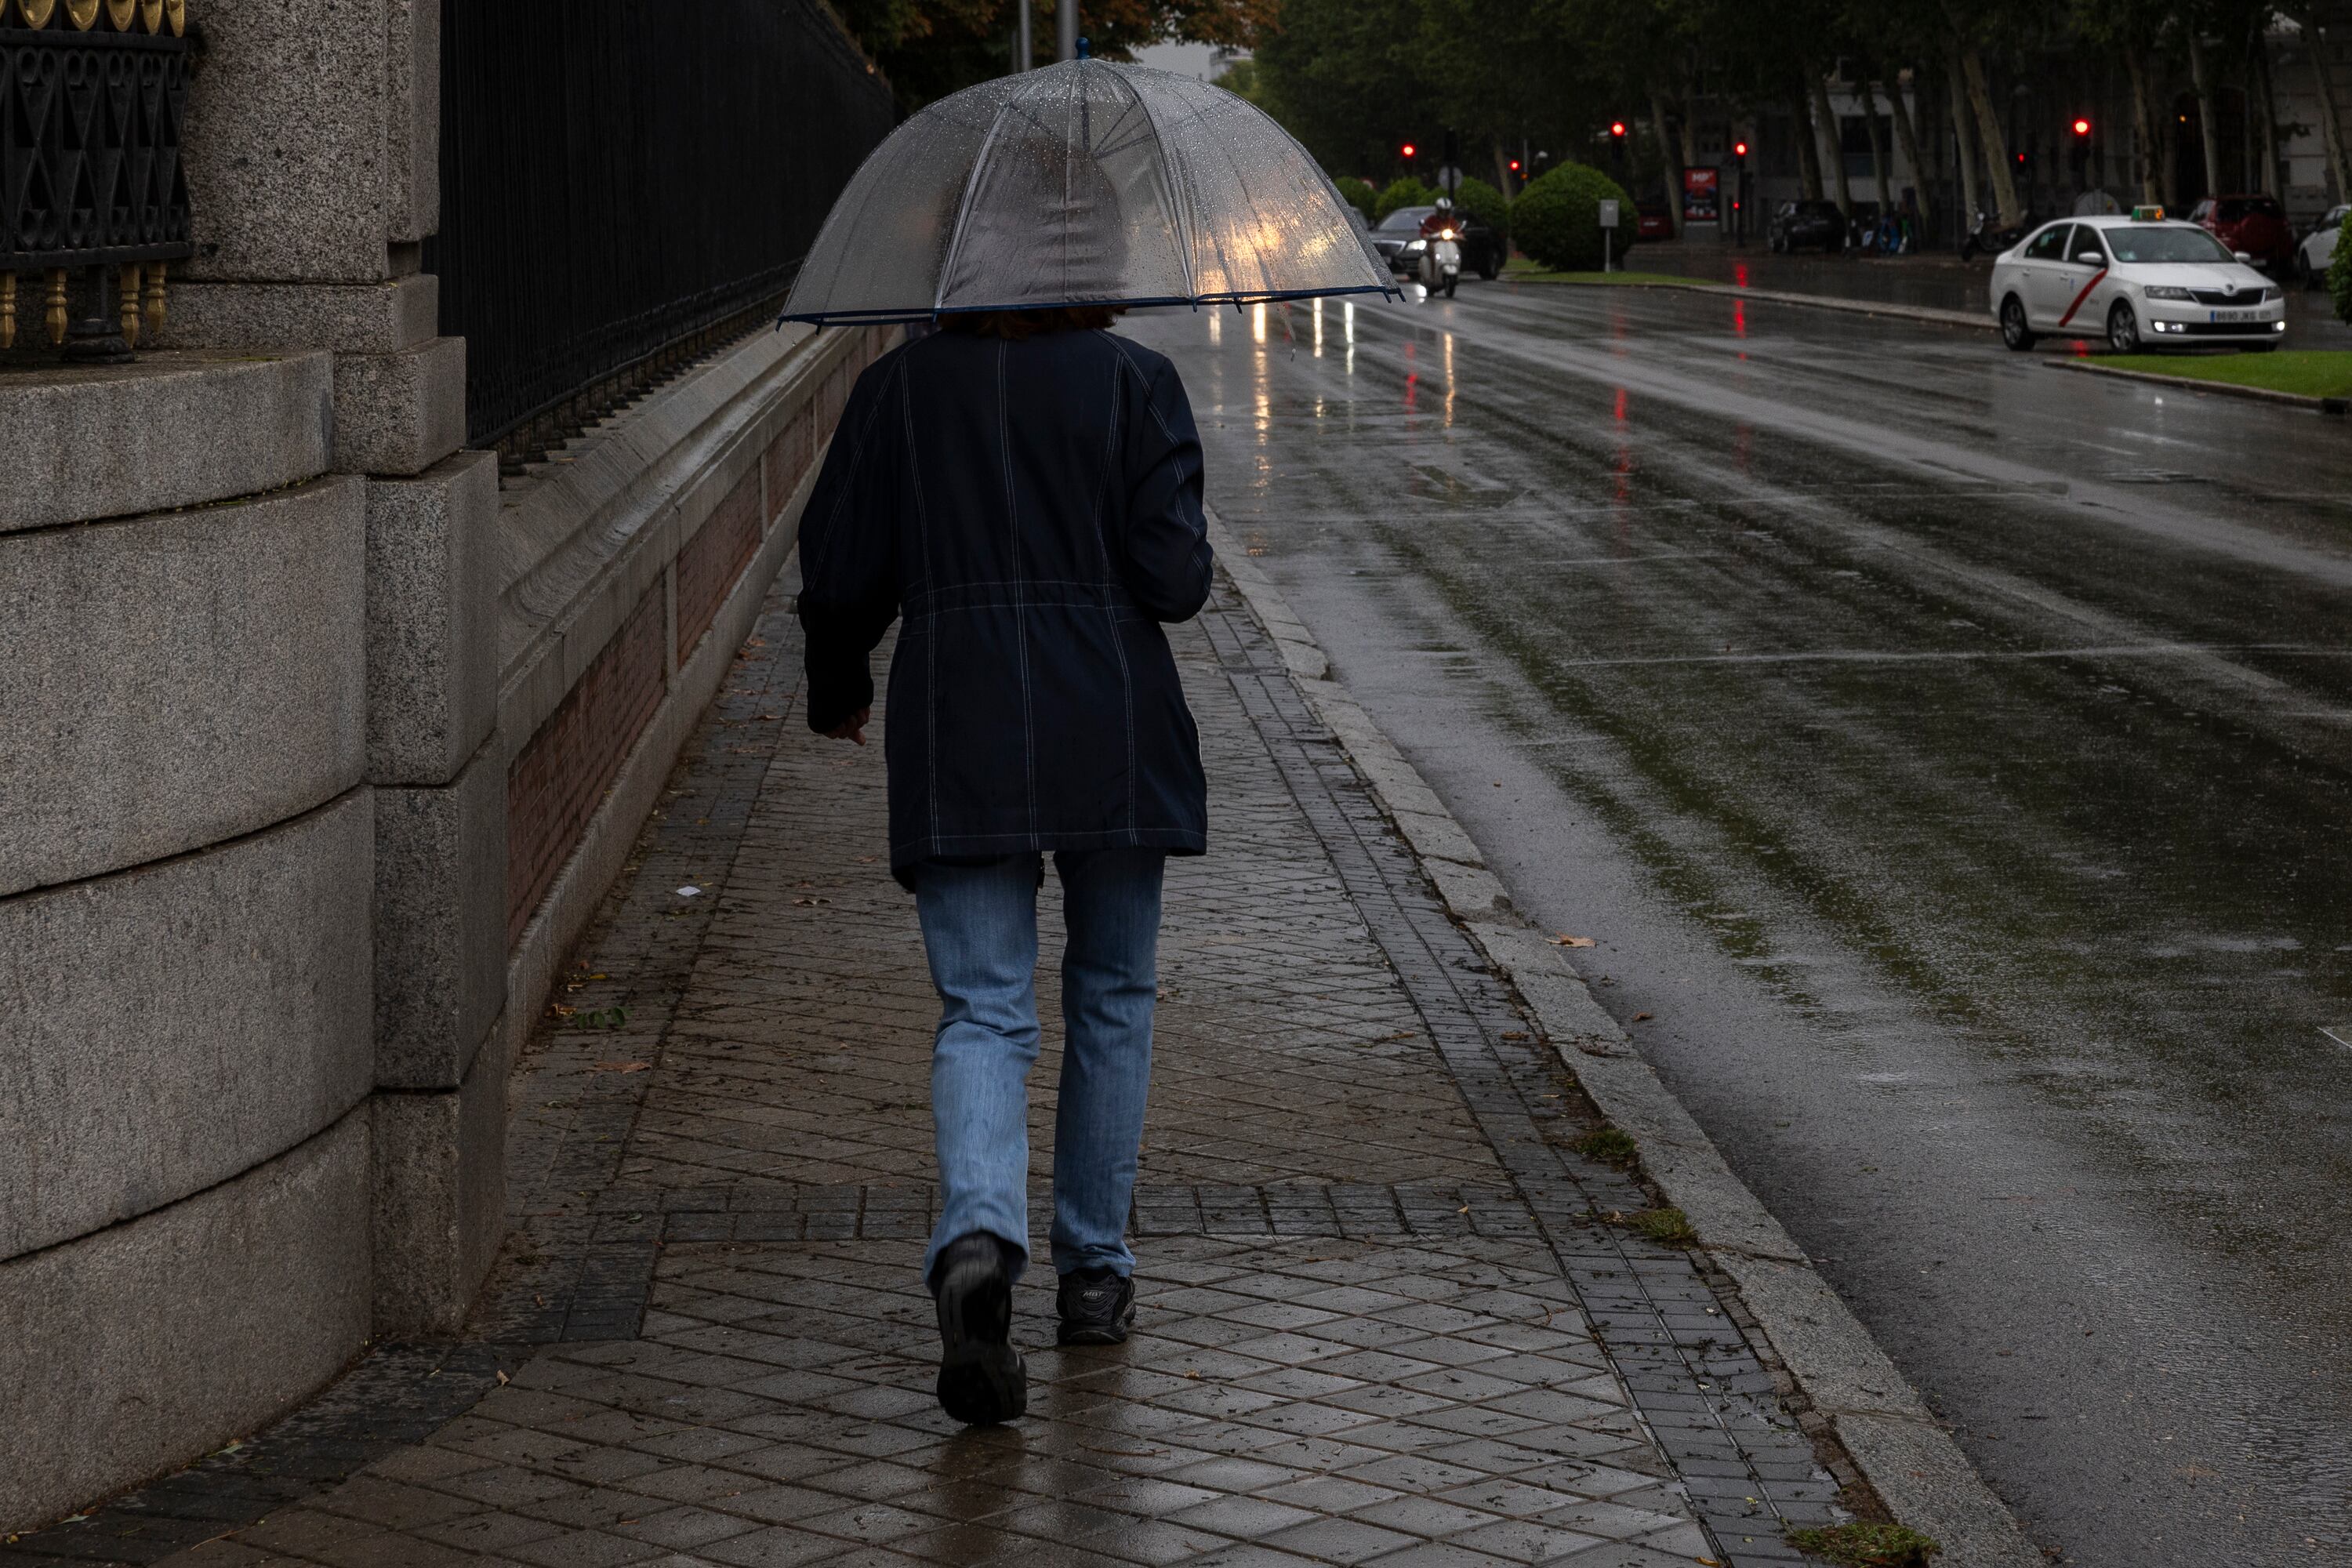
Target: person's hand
851, 729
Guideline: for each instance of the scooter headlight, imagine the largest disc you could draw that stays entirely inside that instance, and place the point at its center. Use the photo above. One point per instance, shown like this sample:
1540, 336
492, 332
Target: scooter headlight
1447, 234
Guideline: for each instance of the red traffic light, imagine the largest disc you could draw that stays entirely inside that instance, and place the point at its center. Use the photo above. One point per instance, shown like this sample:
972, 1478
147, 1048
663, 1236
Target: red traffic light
1515, 166
2082, 128
1739, 148
1408, 149
1617, 128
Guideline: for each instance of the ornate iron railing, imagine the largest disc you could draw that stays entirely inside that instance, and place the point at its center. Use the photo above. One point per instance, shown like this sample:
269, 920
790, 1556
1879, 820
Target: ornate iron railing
624, 186
93, 204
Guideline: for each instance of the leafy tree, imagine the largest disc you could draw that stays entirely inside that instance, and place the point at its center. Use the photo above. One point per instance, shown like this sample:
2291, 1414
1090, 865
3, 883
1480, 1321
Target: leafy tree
1481, 201
1359, 195
930, 48
1557, 220
1405, 191
2132, 29
2339, 271
1503, 72
1344, 77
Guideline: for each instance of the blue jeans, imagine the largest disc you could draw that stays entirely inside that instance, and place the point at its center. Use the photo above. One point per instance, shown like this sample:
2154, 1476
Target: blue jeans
980, 930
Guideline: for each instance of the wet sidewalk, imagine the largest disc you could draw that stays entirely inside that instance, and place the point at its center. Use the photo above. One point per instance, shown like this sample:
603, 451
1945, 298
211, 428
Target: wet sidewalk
1387, 1312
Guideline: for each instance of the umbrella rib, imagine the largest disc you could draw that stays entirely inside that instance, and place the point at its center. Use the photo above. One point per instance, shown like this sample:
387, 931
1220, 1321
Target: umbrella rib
971, 188
1179, 191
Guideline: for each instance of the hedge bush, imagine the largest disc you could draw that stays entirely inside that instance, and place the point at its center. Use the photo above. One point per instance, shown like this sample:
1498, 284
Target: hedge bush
1481, 201
1557, 219
2339, 271
1402, 191
1358, 193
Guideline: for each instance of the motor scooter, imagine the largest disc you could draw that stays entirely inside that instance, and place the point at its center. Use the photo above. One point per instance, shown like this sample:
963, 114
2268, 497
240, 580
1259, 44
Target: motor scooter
1441, 262
1989, 237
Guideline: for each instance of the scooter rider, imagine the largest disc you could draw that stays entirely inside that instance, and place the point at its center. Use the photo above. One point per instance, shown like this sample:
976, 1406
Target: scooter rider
1441, 249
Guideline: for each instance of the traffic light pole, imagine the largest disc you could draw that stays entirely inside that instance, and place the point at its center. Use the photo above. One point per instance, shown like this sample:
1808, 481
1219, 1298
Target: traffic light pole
1066, 28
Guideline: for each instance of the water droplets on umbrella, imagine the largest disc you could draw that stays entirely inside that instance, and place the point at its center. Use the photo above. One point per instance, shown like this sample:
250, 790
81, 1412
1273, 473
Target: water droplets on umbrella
1085, 183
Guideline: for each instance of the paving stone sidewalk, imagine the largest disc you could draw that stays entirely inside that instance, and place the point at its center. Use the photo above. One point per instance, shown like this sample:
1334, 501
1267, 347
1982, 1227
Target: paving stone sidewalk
1385, 1316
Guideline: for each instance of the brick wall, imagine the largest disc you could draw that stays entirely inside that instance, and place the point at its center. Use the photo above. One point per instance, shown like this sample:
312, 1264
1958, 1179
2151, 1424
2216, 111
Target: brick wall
558, 779
715, 557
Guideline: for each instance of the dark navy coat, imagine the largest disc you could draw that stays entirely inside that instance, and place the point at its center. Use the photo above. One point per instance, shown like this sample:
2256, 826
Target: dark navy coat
1032, 510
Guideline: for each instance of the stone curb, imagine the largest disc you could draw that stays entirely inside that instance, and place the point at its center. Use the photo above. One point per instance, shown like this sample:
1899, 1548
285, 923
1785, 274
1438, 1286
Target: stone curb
1904, 1453
2188, 384
1927, 313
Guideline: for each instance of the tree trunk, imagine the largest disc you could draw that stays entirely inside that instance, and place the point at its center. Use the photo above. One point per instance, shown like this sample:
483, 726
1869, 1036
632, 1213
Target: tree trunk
2143, 130
2169, 142
1502, 180
2209, 116
1690, 120
1963, 142
1832, 143
1808, 147
1996, 144
1909, 138
1877, 150
2315, 49
2266, 100
1666, 156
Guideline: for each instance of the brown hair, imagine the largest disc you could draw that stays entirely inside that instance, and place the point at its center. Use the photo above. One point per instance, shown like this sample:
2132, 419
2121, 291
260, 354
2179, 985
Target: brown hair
1014, 325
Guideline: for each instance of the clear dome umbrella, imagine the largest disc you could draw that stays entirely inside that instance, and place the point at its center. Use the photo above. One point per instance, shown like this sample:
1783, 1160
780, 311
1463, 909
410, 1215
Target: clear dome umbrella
1085, 183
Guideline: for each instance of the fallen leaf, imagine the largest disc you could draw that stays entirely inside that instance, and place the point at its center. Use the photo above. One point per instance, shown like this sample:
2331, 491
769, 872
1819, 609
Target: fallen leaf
1642, 1017
1564, 939
1515, 1034
622, 1066
503, 1380
1194, 1375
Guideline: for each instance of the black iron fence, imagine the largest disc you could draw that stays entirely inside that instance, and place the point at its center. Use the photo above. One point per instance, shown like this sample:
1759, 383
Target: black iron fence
624, 186
93, 205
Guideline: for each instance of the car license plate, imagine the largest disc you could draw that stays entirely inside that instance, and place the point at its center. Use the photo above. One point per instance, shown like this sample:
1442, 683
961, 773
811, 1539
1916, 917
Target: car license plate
2236, 315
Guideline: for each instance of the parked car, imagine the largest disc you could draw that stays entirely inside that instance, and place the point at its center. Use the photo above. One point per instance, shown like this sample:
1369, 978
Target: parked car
2318, 248
1652, 220
1796, 225
1398, 239
2142, 285
2255, 225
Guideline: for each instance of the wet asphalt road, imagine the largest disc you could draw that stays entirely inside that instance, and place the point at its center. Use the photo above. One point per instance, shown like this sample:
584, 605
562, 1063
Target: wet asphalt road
1941, 282
1952, 757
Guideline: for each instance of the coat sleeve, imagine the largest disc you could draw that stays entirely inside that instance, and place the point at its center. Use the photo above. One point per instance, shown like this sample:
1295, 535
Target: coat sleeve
849, 578
1167, 540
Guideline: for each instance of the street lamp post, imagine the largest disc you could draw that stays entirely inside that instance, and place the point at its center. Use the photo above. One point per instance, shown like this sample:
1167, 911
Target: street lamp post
1024, 48
1066, 27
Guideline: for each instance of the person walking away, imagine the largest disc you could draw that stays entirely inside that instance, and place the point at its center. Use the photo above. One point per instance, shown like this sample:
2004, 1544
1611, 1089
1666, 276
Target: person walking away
1022, 492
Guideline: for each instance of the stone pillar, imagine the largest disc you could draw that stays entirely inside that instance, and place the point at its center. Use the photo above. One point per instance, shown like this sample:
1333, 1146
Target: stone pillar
314, 183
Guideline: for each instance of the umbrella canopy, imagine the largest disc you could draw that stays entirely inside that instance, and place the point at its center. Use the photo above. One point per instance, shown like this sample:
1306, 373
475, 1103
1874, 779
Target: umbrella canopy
1085, 183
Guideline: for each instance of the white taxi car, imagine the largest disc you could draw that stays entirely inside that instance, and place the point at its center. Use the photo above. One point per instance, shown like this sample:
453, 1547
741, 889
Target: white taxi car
2141, 283
2319, 248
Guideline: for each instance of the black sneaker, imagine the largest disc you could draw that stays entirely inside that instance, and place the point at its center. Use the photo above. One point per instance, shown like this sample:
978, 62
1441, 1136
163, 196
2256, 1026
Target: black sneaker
1097, 1306
982, 1379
